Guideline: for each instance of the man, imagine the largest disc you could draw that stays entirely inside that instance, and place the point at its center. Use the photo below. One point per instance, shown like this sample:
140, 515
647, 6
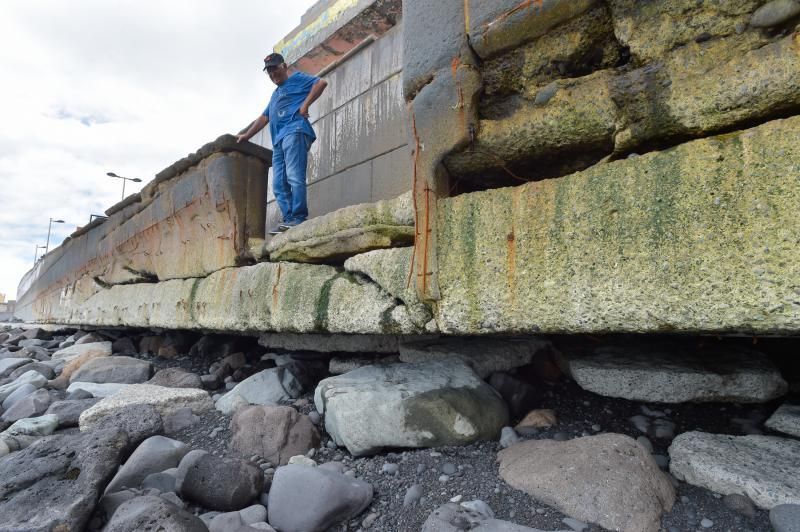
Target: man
292, 136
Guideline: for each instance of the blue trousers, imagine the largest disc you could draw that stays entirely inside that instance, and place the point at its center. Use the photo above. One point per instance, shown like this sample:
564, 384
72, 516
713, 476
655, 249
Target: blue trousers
289, 161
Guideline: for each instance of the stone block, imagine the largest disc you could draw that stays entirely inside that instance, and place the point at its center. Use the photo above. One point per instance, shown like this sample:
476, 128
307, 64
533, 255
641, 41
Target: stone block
392, 174
350, 187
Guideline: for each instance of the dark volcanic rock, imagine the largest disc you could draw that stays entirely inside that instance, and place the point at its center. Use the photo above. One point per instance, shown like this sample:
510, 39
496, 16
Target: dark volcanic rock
152, 513
55, 483
222, 484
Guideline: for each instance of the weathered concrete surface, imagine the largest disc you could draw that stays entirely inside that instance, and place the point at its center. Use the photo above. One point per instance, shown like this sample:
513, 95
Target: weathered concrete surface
349, 231
618, 111
201, 214
390, 269
702, 237
283, 297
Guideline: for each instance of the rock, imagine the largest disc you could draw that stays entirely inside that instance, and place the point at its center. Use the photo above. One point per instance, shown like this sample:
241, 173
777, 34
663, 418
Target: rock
439, 403
485, 356
785, 518
740, 504
32, 405
786, 419
111, 501
347, 232
153, 455
79, 394
302, 461
37, 426
4, 448
176, 378
165, 400
253, 514
270, 386
123, 346
89, 338
179, 420
163, 481
152, 513
37, 333
538, 419
344, 364
100, 390
518, 395
55, 483
328, 498
118, 369
275, 433
7, 365
31, 377
19, 394
45, 370
138, 421
69, 411
225, 522
762, 467
229, 403
223, 484
774, 13
454, 518
667, 375
508, 437
607, 479
79, 354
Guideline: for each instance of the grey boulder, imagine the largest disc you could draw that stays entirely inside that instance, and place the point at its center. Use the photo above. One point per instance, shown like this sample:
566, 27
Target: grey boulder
117, 369
7, 365
138, 421
426, 404
32, 405
675, 373
153, 455
785, 518
786, 419
267, 387
18, 394
222, 484
764, 468
55, 483
151, 513
275, 433
311, 499
69, 411
30, 377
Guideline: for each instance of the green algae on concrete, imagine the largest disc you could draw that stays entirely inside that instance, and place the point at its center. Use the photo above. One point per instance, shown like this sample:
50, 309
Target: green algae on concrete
280, 297
704, 237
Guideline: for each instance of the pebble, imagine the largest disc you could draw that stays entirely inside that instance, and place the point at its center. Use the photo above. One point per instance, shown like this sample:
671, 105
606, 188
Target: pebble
706, 523
574, 524
390, 469
369, 520
642, 423
448, 469
785, 518
644, 442
314, 417
740, 504
561, 436
412, 496
457, 498
443, 478
596, 428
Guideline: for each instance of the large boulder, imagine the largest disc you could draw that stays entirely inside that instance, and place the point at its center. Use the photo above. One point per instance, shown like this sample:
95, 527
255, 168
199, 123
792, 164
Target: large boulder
312, 499
139, 421
347, 232
117, 369
90, 350
786, 419
74, 363
608, 479
69, 411
166, 401
676, 374
153, 455
29, 377
96, 389
763, 468
7, 365
270, 386
152, 513
32, 405
428, 404
55, 483
222, 484
275, 433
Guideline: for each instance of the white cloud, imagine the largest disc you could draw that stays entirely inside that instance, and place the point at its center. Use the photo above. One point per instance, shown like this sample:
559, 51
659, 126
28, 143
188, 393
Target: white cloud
92, 86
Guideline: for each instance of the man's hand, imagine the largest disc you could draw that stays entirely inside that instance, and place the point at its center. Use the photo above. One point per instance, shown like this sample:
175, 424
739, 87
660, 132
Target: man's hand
303, 111
241, 138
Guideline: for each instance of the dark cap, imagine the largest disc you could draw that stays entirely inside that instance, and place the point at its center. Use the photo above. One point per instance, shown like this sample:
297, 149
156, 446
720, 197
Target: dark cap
273, 60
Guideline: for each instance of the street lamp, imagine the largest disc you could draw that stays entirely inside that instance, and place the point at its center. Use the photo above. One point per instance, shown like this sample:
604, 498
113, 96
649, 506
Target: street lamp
134, 179
36, 255
49, 226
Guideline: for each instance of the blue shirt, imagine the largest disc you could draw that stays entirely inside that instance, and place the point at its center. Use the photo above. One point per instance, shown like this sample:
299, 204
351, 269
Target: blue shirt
284, 106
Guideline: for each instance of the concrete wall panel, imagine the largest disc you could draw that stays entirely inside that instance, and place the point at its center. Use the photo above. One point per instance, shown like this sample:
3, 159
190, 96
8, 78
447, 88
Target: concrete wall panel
392, 174
350, 187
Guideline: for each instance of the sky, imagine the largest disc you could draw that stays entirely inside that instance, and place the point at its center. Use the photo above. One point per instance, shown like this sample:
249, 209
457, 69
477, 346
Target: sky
95, 86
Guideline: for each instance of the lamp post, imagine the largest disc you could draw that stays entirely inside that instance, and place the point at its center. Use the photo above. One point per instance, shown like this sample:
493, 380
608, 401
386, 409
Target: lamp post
134, 179
49, 226
36, 255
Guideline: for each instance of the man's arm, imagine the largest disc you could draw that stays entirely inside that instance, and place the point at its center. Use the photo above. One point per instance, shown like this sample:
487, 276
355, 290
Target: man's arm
257, 125
313, 94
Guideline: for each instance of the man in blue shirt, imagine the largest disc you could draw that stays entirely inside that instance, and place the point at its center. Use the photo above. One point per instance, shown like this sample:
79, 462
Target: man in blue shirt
292, 136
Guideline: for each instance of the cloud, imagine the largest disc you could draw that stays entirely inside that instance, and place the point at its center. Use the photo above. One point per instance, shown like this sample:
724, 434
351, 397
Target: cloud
92, 86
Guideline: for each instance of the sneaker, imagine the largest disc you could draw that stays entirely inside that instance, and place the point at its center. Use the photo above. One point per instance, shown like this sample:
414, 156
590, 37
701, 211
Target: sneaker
278, 229
288, 225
